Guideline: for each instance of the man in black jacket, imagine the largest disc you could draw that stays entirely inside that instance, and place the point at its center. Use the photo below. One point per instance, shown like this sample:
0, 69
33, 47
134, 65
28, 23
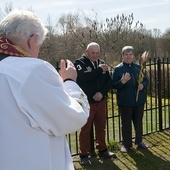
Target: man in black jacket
125, 81
94, 78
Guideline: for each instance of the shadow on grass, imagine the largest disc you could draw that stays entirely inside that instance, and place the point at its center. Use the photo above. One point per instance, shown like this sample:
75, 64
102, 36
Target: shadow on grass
157, 156
146, 160
97, 164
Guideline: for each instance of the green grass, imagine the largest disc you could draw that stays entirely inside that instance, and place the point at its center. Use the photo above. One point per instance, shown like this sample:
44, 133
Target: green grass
156, 157
113, 128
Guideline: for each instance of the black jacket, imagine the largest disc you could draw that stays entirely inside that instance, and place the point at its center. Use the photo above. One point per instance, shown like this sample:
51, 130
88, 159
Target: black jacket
91, 78
126, 93
2, 56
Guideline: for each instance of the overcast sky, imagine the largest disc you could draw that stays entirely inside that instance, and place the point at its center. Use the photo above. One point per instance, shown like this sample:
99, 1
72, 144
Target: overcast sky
152, 13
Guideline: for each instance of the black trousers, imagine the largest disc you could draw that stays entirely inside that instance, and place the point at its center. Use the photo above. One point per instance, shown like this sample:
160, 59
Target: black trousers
129, 115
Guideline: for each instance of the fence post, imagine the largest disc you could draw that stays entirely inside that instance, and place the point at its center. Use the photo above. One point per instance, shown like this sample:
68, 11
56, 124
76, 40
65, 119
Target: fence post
159, 93
92, 140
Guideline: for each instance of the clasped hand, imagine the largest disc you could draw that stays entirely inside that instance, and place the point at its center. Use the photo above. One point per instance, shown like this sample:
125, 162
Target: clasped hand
140, 86
98, 96
104, 67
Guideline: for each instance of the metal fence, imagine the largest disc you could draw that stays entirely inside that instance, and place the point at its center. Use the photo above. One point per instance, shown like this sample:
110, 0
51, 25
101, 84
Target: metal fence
157, 108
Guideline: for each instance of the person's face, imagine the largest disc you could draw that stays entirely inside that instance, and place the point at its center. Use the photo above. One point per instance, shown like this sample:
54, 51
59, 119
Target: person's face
128, 57
93, 53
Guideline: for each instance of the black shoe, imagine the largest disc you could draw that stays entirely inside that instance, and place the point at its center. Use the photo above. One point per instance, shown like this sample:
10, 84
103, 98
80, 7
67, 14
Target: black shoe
85, 161
106, 154
142, 145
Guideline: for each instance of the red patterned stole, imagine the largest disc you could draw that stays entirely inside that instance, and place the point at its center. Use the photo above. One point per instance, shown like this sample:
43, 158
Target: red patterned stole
9, 48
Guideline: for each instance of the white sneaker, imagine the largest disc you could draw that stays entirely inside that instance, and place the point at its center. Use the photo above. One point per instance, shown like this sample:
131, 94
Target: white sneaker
123, 149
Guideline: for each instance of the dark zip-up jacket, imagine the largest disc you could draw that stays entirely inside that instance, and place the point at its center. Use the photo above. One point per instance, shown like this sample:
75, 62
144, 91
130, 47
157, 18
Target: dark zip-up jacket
2, 56
91, 77
126, 93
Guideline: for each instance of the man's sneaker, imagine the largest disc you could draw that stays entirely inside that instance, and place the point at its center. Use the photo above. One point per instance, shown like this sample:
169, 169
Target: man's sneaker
106, 154
85, 161
123, 149
142, 145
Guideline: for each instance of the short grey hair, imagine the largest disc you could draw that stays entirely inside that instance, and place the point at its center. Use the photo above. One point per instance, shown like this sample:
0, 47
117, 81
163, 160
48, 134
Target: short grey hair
127, 49
93, 44
20, 24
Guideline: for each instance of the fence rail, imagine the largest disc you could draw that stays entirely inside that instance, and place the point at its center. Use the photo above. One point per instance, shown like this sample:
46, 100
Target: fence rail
157, 108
